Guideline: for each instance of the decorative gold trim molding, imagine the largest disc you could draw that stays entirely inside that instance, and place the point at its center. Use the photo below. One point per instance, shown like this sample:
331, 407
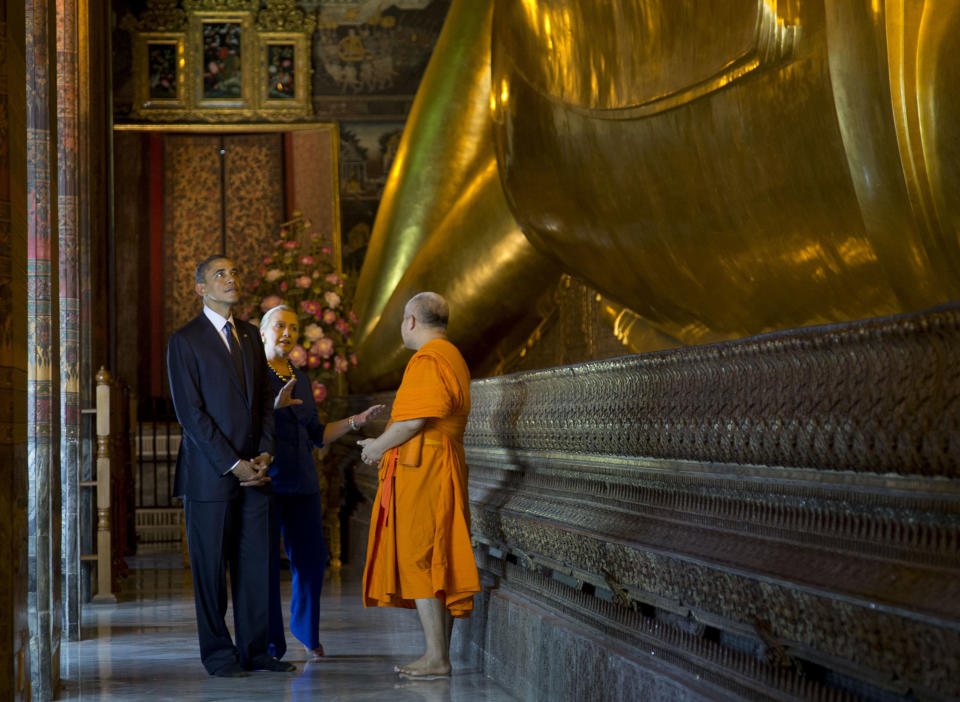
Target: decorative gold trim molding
229, 128
284, 16
162, 16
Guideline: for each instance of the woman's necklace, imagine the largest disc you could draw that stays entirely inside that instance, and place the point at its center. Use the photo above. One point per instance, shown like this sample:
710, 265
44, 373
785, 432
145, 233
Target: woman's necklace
283, 378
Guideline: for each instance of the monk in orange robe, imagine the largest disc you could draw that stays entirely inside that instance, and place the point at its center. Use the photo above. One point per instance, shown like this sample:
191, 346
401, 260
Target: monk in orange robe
419, 553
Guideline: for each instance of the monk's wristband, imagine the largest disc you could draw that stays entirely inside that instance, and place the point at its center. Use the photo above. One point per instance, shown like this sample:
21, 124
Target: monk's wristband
353, 424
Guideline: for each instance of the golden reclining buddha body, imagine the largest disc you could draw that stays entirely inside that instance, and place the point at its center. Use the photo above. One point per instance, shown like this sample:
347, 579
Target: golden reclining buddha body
722, 168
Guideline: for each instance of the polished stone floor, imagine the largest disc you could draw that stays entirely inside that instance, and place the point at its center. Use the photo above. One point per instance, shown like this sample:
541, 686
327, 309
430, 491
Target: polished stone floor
145, 648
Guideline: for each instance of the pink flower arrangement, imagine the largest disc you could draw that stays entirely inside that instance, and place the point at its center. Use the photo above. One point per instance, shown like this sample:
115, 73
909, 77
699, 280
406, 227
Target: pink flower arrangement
298, 356
311, 307
319, 391
324, 347
299, 273
313, 332
270, 301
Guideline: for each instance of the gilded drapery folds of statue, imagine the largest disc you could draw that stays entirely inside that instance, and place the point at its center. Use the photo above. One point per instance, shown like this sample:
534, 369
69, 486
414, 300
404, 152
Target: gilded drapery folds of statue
719, 168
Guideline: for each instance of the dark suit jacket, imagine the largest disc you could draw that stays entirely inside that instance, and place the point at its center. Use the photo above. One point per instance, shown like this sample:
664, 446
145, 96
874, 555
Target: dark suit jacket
220, 424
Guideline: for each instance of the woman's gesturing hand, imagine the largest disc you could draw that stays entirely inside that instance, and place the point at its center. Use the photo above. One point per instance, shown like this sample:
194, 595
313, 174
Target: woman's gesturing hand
285, 396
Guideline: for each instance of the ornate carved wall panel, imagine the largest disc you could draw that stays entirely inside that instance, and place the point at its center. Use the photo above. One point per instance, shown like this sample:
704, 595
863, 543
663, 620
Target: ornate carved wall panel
222, 194
221, 61
768, 518
193, 203
253, 209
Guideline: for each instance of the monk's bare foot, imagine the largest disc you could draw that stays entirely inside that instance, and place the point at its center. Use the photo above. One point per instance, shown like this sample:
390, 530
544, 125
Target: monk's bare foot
425, 668
315, 652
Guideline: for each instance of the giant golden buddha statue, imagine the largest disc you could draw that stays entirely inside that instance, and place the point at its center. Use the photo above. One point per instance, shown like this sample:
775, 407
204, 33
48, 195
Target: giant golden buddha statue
720, 167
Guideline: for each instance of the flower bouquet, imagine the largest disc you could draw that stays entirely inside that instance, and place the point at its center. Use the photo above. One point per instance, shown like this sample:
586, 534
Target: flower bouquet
302, 275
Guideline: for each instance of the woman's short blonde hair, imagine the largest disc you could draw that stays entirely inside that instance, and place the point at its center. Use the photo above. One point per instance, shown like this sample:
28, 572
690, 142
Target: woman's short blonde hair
265, 319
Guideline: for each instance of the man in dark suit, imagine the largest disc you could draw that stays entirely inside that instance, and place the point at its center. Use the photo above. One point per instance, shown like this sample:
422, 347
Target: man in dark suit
221, 393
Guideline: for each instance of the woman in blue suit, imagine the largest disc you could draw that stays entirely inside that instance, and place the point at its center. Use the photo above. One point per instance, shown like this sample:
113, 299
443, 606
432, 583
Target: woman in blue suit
297, 513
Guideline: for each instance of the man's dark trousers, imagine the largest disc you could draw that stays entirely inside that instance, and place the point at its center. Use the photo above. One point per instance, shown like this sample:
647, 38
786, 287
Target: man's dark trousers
232, 535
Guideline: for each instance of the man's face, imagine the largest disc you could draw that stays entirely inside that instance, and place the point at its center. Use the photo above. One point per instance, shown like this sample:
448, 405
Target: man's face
222, 282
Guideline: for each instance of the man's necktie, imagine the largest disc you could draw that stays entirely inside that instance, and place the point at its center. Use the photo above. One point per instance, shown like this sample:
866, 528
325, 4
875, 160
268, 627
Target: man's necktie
235, 354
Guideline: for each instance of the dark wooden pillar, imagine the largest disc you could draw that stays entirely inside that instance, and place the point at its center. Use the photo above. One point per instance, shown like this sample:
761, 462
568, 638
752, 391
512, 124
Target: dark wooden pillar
14, 632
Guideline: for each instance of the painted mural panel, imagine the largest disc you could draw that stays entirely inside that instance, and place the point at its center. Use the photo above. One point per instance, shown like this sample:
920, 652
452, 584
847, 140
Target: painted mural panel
367, 151
369, 55
162, 70
281, 71
222, 60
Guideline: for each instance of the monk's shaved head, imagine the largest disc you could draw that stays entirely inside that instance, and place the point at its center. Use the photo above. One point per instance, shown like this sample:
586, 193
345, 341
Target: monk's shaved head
429, 309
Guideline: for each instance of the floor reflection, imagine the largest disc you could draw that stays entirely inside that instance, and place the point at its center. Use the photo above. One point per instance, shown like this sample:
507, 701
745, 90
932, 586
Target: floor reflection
144, 647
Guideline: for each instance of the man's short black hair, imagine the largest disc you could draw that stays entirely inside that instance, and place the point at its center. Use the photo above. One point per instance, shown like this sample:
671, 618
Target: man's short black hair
201, 274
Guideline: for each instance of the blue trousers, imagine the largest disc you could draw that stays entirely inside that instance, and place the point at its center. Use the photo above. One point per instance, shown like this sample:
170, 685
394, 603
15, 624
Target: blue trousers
299, 520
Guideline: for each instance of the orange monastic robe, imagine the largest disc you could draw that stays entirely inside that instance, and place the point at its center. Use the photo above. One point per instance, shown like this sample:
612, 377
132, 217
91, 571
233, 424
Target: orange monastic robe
419, 545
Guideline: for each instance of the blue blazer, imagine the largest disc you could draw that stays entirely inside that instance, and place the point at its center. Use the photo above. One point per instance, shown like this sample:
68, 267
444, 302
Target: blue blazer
221, 424
298, 430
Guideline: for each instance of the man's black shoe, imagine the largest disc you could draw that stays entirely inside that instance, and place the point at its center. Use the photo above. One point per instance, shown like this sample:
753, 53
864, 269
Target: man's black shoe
231, 670
267, 662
